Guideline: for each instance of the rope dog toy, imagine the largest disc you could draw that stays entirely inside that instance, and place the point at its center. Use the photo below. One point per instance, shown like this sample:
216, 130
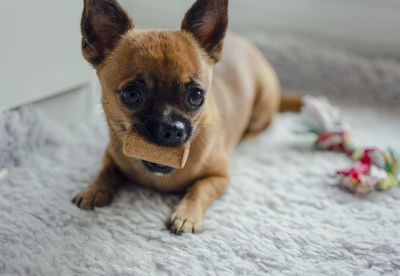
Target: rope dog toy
374, 169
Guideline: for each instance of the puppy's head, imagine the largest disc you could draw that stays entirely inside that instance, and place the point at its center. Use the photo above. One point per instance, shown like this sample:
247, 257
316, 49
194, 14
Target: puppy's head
154, 82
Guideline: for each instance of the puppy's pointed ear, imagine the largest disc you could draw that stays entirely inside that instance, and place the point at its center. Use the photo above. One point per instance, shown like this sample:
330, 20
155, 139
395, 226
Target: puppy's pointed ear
207, 21
103, 23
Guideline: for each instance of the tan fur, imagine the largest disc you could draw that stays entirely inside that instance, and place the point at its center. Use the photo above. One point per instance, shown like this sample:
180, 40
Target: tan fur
291, 102
242, 99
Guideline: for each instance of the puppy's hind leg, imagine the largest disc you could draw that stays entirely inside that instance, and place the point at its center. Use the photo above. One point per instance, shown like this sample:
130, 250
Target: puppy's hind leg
99, 193
266, 105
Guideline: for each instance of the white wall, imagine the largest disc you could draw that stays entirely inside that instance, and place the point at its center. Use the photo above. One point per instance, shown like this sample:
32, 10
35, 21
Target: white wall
366, 25
40, 52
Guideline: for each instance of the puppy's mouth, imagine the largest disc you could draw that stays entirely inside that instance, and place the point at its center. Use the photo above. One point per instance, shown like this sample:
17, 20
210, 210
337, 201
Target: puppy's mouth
157, 168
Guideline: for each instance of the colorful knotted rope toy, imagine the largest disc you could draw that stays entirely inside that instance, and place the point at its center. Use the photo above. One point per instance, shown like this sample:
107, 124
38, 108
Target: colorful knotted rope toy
374, 169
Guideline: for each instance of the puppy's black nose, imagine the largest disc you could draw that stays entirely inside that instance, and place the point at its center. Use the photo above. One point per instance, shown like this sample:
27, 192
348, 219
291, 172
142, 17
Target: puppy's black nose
170, 134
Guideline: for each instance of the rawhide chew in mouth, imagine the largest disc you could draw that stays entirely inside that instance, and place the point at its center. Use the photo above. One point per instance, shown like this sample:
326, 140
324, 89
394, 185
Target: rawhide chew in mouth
136, 146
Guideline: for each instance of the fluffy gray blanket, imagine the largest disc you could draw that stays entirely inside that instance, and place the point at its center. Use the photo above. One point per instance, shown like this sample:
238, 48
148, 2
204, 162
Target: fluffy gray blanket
279, 217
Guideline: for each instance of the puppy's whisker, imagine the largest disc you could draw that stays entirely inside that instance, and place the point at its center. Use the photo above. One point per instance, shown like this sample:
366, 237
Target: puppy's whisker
115, 138
117, 135
203, 137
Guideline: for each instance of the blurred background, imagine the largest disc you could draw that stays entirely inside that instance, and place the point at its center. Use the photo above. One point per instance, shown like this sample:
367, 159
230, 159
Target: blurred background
41, 61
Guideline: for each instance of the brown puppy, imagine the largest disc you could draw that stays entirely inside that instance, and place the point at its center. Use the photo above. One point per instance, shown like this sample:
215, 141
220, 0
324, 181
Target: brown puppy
164, 86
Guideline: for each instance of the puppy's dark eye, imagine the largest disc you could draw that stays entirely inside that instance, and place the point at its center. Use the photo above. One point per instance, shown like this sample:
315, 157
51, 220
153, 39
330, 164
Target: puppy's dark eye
196, 97
131, 97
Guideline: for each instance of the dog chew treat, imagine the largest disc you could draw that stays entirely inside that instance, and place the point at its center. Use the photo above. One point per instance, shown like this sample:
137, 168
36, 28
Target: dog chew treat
136, 146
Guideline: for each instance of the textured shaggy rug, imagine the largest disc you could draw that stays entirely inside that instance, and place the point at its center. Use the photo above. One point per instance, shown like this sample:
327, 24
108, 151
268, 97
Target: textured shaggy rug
279, 217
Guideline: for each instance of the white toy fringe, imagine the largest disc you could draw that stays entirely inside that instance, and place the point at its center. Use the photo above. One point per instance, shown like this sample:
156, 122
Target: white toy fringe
3, 175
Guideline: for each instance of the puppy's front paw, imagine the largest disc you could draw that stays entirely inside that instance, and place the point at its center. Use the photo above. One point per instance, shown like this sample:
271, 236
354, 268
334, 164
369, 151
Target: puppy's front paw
93, 197
185, 219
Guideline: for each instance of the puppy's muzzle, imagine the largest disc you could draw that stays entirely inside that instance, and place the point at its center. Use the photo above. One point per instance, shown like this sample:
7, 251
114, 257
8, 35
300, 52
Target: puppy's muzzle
163, 132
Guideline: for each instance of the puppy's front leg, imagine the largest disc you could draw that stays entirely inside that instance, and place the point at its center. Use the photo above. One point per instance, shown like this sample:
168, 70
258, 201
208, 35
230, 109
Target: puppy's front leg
99, 193
187, 216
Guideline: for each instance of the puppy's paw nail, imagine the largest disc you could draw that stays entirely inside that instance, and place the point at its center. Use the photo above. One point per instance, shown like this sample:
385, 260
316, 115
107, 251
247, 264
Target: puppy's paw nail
90, 198
184, 222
